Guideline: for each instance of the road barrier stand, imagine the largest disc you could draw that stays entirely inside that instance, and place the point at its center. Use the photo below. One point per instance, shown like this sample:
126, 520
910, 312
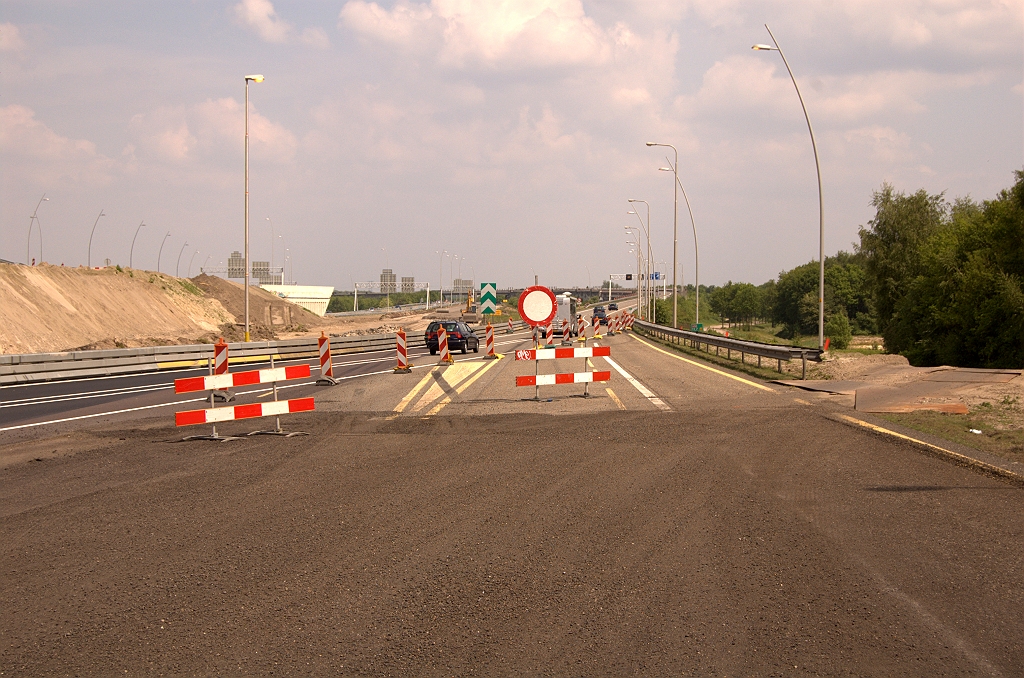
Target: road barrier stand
581, 330
597, 328
586, 377
550, 334
611, 326
566, 333
489, 334
442, 347
326, 363
509, 330
401, 353
219, 381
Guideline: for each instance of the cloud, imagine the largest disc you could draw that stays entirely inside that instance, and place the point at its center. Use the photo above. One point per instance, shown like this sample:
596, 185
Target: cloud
45, 156
208, 131
494, 34
260, 16
10, 38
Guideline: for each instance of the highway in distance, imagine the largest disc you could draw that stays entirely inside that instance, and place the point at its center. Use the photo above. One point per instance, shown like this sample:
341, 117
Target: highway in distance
681, 520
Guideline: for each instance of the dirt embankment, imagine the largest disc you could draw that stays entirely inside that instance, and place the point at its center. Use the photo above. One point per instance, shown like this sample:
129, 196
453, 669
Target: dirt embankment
55, 308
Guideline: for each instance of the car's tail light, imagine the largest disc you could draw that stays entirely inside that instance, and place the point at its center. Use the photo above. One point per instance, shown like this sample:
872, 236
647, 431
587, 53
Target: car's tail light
457, 335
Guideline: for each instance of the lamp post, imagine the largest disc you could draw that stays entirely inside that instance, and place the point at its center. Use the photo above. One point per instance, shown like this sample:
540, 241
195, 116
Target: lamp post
178, 262
253, 78
675, 233
696, 250
451, 264
203, 267
189, 274
28, 247
160, 253
88, 259
647, 232
131, 252
271, 245
821, 202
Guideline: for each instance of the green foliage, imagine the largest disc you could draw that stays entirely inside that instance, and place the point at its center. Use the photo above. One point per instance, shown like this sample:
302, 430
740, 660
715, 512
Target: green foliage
190, 287
962, 301
846, 290
837, 329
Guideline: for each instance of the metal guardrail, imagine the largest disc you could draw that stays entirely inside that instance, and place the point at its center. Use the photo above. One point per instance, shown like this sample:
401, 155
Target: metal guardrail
38, 367
779, 352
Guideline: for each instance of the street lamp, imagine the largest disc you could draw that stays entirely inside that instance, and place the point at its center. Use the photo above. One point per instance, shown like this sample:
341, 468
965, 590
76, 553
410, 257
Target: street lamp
821, 202
160, 253
189, 274
271, 245
88, 258
696, 251
28, 248
131, 252
178, 262
647, 231
675, 233
248, 78
203, 267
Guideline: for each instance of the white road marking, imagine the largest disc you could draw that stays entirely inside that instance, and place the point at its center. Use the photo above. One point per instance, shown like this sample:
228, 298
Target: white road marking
644, 391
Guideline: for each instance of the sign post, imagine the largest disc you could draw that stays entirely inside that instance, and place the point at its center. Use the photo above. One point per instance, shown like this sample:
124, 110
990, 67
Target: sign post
537, 307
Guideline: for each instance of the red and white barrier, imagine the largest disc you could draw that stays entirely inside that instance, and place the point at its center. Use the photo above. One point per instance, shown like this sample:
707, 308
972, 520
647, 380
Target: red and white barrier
559, 353
326, 362
581, 329
220, 357
570, 378
442, 346
220, 381
597, 329
401, 353
489, 339
252, 410
566, 333
509, 330
551, 334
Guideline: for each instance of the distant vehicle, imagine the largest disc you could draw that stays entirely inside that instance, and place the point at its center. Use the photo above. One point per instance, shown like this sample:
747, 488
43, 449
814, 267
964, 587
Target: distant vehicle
566, 311
600, 317
613, 307
460, 336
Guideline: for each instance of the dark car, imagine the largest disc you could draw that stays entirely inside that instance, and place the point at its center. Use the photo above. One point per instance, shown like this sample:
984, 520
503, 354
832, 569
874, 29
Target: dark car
613, 307
600, 316
460, 336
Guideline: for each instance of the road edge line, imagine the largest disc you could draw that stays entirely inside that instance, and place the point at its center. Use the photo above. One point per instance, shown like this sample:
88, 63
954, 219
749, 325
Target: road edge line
705, 367
647, 393
941, 452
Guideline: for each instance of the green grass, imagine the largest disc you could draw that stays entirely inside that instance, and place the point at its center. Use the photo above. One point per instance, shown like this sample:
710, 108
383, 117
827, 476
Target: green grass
1000, 435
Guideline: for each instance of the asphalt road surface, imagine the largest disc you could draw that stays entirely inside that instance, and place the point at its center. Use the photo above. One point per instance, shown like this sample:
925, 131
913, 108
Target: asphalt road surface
679, 521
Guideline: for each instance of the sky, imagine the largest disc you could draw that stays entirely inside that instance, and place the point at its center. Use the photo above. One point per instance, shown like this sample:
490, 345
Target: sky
508, 133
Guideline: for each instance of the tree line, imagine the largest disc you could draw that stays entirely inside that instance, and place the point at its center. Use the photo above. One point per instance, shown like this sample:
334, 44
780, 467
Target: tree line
940, 281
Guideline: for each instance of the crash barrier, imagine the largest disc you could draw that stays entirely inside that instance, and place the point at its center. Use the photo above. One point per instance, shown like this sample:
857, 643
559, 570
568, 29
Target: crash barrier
586, 377
696, 340
326, 362
24, 368
214, 414
402, 353
442, 346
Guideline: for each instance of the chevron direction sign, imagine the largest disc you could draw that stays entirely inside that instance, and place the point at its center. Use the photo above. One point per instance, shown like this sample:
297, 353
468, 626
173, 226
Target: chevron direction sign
488, 298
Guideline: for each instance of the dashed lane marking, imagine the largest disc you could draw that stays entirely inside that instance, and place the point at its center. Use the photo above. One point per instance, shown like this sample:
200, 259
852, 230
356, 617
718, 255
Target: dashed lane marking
644, 391
705, 367
466, 384
614, 397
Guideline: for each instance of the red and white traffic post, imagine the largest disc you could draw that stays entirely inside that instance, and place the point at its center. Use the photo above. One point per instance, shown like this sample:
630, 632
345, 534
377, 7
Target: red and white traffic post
566, 333
220, 366
442, 347
550, 335
326, 362
509, 330
401, 353
489, 334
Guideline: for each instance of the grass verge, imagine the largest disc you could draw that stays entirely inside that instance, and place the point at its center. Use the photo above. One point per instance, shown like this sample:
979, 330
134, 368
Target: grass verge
997, 437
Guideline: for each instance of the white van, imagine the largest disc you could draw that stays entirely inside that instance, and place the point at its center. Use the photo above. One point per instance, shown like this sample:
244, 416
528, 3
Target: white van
567, 311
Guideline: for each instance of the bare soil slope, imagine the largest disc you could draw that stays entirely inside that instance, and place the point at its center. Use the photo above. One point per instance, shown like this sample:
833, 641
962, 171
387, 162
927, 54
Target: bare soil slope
55, 308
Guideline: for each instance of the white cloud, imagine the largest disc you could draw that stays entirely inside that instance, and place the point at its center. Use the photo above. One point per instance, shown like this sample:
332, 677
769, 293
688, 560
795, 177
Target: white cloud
260, 16
43, 155
495, 33
10, 38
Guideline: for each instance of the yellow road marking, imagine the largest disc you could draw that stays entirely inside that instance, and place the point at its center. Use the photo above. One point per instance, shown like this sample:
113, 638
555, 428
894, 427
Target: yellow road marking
970, 461
466, 384
802, 402
616, 399
416, 389
705, 367
451, 376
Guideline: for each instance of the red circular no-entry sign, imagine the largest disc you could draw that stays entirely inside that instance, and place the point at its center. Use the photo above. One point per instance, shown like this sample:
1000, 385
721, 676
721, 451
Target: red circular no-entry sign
537, 305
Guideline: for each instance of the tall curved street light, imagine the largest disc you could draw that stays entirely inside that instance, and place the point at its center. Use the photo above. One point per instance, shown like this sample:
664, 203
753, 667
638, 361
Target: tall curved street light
189, 274
203, 267
821, 201
696, 250
177, 264
675, 233
160, 253
88, 258
28, 248
248, 78
131, 252
647, 232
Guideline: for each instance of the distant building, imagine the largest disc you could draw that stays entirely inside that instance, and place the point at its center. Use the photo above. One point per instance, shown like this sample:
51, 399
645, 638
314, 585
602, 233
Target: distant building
387, 281
236, 265
310, 297
408, 284
462, 286
264, 275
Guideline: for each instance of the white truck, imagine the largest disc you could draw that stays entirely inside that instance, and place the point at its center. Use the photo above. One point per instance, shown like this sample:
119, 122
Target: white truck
567, 311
